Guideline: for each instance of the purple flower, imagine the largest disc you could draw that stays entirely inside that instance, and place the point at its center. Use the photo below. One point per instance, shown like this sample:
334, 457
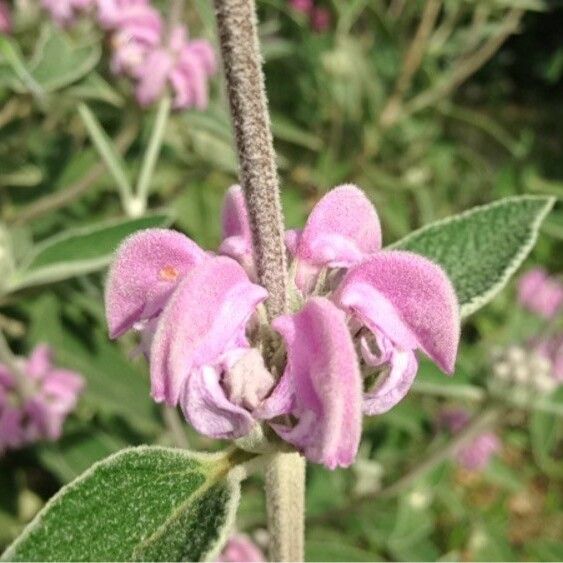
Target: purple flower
39, 410
5, 18
475, 455
321, 387
239, 549
540, 293
400, 302
237, 236
200, 338
342, 229
359, 316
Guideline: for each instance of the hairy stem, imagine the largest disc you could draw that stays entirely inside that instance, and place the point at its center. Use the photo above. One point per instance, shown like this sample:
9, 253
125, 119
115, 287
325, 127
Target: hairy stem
285, 496
238, 37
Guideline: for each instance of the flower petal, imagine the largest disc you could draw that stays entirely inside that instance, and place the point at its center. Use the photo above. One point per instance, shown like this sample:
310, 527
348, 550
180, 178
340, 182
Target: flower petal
207, 408
393, 385
321, 385
341, 230
147, 267
408, 298
204, 319
237, 236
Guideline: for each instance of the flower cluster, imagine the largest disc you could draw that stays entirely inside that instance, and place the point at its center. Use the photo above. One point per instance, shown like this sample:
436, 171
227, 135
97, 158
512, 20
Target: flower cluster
475, 455
319, 17
35, 402
146, 51
348, 346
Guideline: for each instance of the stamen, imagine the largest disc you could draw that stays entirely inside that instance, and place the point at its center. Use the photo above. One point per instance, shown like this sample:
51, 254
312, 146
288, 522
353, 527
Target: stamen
169, 273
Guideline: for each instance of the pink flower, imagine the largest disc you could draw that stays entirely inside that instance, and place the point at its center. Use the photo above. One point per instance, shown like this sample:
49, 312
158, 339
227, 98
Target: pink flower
303, 6
192, 354
540, 293
237, 236
342, 229
358, 311
475, 455
5, 18
320, 20
39, 411
64, 11
184, 65
400, 302
321, 386
239, 549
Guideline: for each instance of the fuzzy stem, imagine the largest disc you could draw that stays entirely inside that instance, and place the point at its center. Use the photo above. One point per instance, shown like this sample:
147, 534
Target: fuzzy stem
285, 503
238, 36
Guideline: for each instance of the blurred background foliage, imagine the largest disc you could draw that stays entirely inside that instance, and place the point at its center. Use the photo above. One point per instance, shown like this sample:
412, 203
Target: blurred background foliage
430, 106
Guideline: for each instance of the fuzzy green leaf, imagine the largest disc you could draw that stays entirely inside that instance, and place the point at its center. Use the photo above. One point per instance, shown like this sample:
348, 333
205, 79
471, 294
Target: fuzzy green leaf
78, 252
481, 248
141, 504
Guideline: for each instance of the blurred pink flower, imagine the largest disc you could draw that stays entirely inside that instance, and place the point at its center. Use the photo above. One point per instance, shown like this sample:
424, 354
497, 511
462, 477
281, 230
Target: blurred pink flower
38, 412
540, 293
240, 549
5, 18
64, 11
551, 348
477, 453
184, 65
320, 19
303, 6
137, 29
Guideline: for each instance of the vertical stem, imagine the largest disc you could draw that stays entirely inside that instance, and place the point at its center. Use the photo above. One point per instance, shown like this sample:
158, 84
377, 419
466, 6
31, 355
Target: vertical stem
238, 36
285, 504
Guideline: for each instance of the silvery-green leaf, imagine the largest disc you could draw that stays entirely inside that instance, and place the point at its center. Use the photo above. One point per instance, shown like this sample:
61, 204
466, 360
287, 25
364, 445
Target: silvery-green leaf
141, 504
79, 251
481, 248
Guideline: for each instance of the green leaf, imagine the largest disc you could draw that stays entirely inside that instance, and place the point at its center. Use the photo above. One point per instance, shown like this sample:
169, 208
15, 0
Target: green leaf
74, 453
114, 384
78, 252
146, 503
58, 61
109, 153
481, 248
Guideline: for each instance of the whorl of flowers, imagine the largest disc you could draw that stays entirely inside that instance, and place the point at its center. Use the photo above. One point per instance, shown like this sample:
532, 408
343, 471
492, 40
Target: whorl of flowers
35, 401
347, 348
144, 49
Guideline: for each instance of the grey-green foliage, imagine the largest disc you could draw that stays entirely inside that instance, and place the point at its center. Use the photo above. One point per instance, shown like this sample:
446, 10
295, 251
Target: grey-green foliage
481, 248
79, 251
146, 503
